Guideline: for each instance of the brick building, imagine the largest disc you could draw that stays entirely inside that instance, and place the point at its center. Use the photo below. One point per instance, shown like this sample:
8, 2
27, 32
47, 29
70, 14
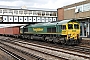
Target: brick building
80, 11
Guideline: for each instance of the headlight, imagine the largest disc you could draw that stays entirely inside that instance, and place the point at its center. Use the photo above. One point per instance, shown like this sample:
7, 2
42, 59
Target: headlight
69, 35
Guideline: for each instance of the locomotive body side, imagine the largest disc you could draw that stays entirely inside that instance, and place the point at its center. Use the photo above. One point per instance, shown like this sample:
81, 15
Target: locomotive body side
42, 29
57, 32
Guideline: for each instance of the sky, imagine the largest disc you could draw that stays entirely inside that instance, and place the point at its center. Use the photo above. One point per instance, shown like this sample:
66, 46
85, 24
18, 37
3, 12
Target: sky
49, 4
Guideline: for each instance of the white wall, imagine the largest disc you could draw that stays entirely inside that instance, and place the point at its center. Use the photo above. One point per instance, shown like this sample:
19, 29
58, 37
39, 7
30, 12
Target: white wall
28, 19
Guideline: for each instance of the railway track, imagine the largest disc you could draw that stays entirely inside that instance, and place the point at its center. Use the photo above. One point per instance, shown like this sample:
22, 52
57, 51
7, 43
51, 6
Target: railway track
27, 51
17, 53
12, 54
60, 53
82, 48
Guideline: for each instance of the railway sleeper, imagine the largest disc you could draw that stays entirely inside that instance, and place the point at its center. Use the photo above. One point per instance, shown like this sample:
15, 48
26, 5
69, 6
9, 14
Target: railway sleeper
26, 53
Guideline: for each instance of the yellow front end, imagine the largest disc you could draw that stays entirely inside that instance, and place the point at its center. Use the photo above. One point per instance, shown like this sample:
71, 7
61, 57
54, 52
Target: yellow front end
73, 30
71, 33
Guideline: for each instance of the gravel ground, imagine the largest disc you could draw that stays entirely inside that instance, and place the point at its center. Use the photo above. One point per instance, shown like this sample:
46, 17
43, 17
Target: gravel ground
4, 56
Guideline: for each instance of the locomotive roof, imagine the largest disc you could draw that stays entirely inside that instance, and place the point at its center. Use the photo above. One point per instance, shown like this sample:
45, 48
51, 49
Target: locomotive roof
50, 23
11, 25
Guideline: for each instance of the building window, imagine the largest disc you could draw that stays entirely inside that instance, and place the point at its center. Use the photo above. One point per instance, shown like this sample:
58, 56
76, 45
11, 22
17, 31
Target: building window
0, 11
4, 11
15, 11
86, 7
10, 18
15, 19
80, 8
43, 13
53, 13
25, 12
10, 11
34, 13
5, 18
39, 13
47, 14
20, 11
30, 12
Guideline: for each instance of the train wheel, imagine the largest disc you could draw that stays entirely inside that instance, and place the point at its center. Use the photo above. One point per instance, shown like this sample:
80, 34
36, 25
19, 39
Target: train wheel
68, 42
53, 40
65, 41
62, 42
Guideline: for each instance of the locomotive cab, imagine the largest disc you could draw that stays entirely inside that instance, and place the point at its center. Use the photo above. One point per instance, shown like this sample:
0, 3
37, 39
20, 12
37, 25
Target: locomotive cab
73, 31
70, 32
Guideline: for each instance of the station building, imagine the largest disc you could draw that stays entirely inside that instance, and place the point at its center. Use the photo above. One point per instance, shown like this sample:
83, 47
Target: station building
27, 14
80, 11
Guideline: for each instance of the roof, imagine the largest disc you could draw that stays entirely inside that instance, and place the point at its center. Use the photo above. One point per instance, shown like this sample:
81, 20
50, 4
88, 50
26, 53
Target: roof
63, 22
26, 8
11, 25
23, 26
77, 4
50, 23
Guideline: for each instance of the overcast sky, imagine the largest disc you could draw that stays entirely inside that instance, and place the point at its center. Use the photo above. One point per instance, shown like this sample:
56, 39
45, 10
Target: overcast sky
52, 4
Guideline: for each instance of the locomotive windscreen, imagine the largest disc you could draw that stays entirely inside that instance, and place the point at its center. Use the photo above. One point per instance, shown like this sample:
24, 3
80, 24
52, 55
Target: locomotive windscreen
76, 26
70, 26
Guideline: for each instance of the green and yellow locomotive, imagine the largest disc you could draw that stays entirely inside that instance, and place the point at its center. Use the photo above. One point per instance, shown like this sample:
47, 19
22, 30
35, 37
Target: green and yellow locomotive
64, 32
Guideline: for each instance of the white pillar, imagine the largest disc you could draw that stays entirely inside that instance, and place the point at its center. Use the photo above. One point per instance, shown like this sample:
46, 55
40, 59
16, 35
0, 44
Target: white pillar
82, 29
88, 26
89, 29
18, 12
13, 12
2, 11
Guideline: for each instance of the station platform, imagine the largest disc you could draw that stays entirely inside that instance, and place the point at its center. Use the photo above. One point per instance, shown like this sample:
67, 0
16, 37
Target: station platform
85, 38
